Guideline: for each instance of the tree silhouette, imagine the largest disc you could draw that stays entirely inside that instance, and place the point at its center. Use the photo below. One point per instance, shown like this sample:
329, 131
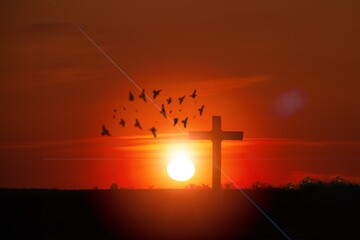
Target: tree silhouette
114, 186
261, 185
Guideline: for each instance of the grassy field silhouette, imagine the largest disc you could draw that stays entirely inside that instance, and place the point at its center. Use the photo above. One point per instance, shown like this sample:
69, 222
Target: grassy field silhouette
312, 210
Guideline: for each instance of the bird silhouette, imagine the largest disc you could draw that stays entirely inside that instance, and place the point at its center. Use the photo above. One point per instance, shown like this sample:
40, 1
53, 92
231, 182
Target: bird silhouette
181, 99
163, 112
201, 110
170, 111
156, 93
137, 124
153, 131
124, 108
193, 95
169, 100
131, 96
176, 120
185, 122
114, 116
105, 131
122, 122
115, 110
142, 95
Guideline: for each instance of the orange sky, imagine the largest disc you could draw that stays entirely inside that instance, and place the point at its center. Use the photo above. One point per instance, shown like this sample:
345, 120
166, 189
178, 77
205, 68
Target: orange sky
285, 73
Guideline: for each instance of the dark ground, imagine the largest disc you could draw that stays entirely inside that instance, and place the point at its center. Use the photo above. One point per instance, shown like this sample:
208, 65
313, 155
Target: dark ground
330, 213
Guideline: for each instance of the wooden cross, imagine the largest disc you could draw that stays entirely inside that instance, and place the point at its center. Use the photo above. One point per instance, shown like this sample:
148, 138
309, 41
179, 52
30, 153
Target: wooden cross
216, 135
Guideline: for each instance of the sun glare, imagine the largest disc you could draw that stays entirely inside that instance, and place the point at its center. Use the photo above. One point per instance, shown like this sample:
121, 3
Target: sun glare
180, 168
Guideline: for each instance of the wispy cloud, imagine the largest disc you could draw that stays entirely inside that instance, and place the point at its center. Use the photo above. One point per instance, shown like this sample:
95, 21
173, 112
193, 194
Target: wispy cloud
134, 140
214, 86
291, 141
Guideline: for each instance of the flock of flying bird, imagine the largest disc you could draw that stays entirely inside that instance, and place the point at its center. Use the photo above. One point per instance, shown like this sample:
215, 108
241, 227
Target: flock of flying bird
143, 96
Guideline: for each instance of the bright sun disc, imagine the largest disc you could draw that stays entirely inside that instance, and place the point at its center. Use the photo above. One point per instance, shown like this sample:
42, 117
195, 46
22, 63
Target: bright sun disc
180, 168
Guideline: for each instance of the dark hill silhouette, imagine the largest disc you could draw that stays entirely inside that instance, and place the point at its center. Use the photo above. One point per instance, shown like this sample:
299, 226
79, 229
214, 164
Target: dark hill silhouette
323, 211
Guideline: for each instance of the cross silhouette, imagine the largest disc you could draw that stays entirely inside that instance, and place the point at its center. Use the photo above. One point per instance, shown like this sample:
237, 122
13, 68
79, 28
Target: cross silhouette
216, 135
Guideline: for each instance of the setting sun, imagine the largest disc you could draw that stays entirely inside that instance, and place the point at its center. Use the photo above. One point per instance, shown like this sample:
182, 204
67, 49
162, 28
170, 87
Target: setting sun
180, 168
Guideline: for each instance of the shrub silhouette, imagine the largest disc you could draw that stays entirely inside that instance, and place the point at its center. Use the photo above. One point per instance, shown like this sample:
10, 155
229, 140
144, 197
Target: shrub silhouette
260, 185
229, 186
310, 183
193, 186
338, 181
289, 187
114, 186
205, 186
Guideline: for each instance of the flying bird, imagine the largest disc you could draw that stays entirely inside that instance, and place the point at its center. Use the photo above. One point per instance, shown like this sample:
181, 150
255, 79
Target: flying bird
131, 96
176, 120
153, 131
163, 112
156, 93
137, 124
193, 95
115, 110
142, 95
105, 131
169, 100
124, 108
181, 99
122, 122
185, 122
201, 110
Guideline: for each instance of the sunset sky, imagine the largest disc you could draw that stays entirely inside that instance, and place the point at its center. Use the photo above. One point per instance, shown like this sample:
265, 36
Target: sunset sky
284, 72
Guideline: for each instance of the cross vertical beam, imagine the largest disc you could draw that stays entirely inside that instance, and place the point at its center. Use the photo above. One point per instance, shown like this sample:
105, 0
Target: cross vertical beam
216, 135
216, 152
216, 164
